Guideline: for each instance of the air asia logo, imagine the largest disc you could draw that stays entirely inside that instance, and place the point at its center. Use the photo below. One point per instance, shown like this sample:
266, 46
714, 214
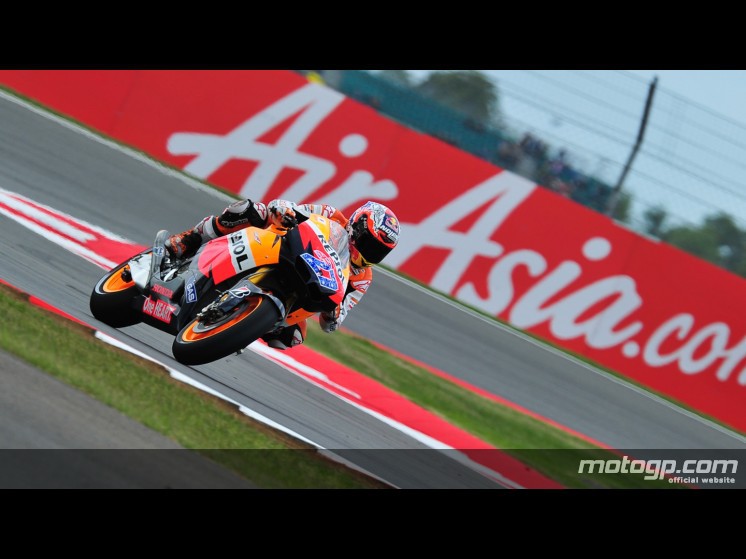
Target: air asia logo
556, 295
158, 309
314, 103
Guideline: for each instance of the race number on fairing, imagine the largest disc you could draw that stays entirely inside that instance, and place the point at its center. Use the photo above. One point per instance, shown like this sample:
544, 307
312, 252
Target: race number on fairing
323, 270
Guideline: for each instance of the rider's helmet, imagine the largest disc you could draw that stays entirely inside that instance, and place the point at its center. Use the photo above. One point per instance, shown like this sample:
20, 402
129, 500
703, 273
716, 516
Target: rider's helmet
374, 232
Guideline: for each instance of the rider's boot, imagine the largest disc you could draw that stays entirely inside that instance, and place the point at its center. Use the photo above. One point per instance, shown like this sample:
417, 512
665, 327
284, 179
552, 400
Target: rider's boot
289, 336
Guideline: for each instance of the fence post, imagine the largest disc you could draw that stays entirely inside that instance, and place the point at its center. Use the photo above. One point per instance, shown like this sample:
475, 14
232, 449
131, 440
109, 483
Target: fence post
616, 191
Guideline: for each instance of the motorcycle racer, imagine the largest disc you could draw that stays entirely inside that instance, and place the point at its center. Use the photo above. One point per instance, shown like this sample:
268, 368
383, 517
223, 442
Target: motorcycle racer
373, 231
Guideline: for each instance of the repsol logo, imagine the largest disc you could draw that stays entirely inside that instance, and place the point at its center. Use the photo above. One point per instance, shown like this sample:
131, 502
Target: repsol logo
333, 254
240, 253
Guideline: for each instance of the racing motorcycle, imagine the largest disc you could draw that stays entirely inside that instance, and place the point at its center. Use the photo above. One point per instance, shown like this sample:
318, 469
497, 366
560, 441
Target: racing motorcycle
232, 291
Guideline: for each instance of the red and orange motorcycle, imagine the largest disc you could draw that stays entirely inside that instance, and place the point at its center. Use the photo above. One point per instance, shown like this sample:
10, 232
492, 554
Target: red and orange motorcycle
235, 289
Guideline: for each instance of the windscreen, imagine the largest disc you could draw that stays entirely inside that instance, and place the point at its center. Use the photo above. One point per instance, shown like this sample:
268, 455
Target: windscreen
340, 242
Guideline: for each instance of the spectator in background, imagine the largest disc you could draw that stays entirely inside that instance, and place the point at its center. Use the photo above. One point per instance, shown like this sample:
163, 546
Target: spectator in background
559, 163
558, 168
534, 156
508, 155
528, 158
561, 187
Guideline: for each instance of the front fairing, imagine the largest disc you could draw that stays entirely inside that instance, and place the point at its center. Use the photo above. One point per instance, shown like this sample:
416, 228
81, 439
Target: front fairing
326, 255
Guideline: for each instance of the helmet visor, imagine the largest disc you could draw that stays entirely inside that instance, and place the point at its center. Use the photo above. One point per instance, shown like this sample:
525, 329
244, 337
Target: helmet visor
372, 250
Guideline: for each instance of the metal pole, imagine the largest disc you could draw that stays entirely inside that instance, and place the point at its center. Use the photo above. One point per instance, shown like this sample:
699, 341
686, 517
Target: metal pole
615, 193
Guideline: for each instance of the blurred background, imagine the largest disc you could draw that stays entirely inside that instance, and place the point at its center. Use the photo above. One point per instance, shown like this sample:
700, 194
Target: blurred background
617, 141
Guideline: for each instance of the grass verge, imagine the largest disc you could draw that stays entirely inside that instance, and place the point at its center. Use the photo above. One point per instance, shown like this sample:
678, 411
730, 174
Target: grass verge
547, 449
145, 392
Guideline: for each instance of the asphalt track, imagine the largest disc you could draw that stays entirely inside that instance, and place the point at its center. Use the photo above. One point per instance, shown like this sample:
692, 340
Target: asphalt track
72, 172
53, 436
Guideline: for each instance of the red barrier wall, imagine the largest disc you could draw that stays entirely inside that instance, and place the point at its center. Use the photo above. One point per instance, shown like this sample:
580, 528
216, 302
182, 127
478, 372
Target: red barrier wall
484, 235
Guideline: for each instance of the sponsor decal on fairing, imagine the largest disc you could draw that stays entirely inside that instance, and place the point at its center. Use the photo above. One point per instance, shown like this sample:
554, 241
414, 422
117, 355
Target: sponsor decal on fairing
191, 292
161, 290
158, 309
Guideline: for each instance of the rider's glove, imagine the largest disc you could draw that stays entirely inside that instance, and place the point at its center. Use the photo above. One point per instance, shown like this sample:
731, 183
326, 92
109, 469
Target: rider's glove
282, 214
184, 244
328, 322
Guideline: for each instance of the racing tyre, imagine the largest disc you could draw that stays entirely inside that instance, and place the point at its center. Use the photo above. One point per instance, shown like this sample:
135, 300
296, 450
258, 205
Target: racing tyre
112, 299
201, 341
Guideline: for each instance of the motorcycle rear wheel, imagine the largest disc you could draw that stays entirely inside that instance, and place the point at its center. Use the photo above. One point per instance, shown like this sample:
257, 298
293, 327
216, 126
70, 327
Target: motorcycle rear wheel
111, 299
200, 342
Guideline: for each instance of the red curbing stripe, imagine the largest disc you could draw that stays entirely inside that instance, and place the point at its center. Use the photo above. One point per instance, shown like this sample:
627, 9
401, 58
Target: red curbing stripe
486, 394
43, 304
97, 241
366, 392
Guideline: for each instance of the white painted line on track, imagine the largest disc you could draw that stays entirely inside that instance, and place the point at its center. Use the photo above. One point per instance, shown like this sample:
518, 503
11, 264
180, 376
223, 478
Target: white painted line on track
426, 440
68, 245
177, 375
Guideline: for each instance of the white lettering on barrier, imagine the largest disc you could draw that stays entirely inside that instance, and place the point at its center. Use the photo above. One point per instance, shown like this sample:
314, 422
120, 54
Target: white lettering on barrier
359, 186
529, 310
734, 356
717, 332
504, 192
315, 103
680, 324
500, 281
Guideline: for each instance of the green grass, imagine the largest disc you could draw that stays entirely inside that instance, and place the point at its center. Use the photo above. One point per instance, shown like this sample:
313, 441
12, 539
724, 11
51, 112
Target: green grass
547, 449
145, 392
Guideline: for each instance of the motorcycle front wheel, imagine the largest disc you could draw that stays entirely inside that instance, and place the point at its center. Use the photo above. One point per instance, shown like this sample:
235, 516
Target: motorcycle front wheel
202, 341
